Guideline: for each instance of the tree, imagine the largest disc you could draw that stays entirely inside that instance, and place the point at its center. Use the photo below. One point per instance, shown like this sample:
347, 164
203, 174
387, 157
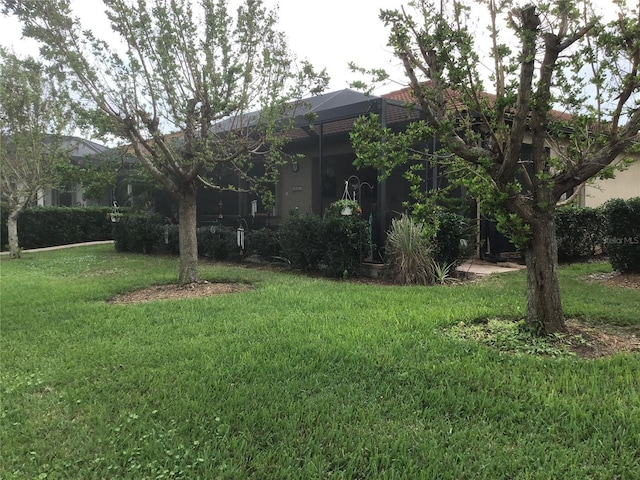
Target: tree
97, 173
564, 81
195, 92
33, 113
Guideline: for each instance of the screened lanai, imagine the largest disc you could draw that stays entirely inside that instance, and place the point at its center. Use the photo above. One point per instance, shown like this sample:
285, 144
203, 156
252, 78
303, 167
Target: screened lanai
322, 160
326, 167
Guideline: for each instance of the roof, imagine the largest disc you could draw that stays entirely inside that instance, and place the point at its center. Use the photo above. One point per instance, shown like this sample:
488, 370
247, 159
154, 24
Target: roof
81, 148
333, 100
337, 111
406, 96
349, 103
333, 112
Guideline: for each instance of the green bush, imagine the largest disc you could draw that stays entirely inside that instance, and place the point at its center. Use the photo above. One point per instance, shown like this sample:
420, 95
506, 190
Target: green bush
48, 226
139, 233
302, 242
579, 232
346, 241
204, 237
224, 243
144, 233
454, 232
334, 246
622, 234
264, 243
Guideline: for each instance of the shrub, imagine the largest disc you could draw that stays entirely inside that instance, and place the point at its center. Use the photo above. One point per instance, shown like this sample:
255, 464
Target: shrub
347, 243
334, 246
147, 233
453, 234
622, 234
302, 241
579, 232
224, 244
204, 237
264, 243
139, 233
409, 252
48, 226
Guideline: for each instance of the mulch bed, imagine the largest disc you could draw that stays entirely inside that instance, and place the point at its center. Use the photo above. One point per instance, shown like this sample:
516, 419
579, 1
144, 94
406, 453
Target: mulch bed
173, 291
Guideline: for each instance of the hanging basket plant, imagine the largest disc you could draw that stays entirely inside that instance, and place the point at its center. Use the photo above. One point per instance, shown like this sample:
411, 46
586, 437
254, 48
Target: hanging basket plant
114, 216
344, 207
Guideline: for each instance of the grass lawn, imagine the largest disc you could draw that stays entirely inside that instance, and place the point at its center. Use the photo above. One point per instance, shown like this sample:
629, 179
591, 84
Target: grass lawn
298, 378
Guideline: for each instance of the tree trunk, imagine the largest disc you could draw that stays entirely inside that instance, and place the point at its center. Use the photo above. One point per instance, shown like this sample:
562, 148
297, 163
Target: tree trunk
544, 308
187, 235
12, 234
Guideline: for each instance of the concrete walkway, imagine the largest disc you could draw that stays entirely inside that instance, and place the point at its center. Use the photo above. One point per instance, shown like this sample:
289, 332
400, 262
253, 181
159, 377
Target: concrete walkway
481, 267
58, 247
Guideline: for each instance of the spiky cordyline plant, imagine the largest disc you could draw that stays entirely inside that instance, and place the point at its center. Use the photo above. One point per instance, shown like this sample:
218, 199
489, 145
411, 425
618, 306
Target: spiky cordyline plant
409, 252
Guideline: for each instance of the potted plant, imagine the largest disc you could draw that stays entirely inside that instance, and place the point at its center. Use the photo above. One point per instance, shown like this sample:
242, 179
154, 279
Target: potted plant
344, 207
114, 216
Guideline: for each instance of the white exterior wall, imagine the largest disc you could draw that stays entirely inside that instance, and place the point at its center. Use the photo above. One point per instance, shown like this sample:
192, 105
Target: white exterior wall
625, 185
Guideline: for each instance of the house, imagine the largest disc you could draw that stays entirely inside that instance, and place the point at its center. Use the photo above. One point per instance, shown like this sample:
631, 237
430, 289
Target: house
321, 167
625, 185
321, 161
82, 151
325, 171
321, 170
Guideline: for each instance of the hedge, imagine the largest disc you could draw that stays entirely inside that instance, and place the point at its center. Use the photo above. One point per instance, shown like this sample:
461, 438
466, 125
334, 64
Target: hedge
140, 233
218, 242
333, 246
347, 244
40, 227
622, 234
455, 233
221, 243
146, 233
302, 242
579, 232
264, 242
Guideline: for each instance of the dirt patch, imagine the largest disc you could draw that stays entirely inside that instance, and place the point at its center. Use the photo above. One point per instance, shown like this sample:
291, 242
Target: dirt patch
592, 342
174, 291
616, 279
512, 336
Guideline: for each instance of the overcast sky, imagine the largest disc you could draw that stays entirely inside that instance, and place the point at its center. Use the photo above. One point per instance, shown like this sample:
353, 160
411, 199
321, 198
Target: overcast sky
329, 34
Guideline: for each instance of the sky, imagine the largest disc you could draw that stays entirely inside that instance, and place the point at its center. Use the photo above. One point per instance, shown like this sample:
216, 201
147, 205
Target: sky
329, 34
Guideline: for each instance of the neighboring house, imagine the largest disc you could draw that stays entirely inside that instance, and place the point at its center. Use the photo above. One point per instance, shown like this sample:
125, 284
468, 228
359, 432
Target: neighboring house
625, 185
72, 195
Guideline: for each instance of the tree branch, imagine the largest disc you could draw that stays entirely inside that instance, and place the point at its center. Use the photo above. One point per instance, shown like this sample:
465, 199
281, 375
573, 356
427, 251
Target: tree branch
530, 23
572, 197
